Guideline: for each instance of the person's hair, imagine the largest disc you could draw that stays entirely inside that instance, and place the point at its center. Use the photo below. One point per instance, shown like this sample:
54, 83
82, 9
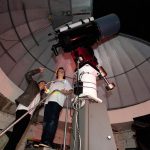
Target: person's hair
42, 81
57, 72
41, 91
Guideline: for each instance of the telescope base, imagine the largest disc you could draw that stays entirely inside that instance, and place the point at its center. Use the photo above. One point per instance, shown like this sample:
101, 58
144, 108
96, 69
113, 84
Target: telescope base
94, 127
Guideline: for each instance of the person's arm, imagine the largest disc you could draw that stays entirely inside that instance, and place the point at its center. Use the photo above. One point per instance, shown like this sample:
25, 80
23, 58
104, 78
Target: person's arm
67, 92
46, 90
68, 89
31, 73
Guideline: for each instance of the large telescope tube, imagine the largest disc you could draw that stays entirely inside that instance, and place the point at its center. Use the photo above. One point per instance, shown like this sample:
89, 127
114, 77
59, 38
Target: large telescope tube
84, 34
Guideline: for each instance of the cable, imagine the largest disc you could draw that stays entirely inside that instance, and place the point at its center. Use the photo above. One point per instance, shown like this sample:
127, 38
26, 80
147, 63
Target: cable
76, 107
76, 131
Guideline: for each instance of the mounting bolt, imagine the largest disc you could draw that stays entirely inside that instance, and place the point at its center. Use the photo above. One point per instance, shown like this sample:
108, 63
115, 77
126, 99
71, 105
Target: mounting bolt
109, 137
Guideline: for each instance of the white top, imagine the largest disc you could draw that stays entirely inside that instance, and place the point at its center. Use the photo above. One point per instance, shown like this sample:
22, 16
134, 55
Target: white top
57, 96
35, 101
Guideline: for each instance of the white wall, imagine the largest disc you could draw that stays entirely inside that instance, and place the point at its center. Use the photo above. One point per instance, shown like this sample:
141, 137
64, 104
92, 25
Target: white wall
127, 114
8, 88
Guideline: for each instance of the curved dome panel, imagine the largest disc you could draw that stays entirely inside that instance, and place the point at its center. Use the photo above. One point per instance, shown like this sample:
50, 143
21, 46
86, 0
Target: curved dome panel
127, 63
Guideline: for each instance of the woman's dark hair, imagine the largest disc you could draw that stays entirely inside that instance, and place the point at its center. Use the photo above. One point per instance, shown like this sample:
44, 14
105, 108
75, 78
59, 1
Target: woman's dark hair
57, 72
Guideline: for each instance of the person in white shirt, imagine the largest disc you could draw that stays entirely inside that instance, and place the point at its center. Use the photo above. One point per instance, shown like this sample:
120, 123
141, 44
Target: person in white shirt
57, 91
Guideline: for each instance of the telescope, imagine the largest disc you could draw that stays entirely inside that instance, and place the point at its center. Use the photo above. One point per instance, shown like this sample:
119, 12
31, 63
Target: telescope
86, 32
79, 37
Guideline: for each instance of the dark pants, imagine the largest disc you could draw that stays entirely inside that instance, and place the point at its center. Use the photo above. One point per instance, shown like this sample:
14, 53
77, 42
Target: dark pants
51, 117
18, 130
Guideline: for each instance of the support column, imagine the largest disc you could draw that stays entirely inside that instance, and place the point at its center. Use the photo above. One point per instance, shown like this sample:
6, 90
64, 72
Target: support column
95, 129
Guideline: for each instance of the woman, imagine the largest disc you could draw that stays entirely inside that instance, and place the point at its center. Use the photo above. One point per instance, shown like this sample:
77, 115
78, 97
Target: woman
57, 91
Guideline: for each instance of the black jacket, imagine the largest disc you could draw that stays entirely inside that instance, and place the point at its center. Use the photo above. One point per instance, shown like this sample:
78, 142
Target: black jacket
31, 91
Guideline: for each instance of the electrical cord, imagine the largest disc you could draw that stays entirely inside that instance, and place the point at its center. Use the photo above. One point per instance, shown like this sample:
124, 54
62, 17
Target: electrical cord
76, 131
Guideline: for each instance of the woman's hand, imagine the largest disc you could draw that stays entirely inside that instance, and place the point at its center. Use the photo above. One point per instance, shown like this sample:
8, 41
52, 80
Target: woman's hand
66, 92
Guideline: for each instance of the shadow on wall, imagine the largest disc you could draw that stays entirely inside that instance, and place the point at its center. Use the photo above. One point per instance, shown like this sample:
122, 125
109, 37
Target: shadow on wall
4, 139
6, 105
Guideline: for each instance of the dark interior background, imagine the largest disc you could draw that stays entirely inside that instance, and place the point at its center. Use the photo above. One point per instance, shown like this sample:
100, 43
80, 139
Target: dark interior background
134, 15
